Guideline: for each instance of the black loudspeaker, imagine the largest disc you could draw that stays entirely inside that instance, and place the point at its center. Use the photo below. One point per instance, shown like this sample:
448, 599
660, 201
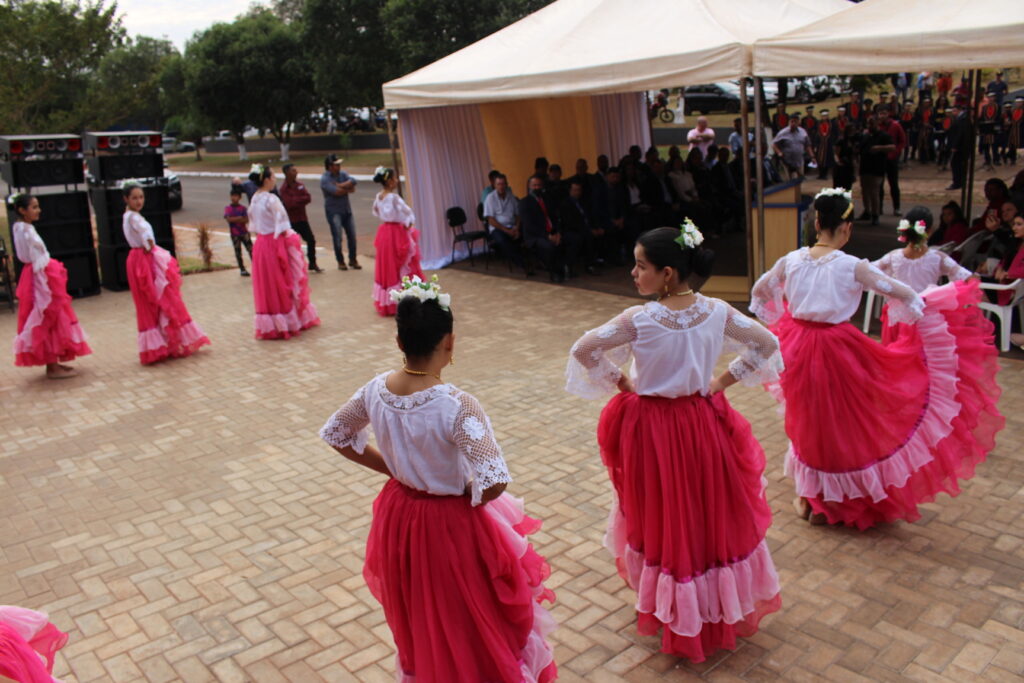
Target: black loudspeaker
114, 264
109, 207
105, 169
39, 173
64, 223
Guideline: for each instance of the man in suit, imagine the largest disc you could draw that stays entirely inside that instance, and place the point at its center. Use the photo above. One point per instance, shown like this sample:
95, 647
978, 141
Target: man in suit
540, 234
958, 143
580, 234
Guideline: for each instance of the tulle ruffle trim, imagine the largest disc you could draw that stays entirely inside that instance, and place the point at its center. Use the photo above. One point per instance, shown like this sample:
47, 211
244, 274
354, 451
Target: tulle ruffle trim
284, 325
37, 635
940, 352
730, 594
51, 333
154, 345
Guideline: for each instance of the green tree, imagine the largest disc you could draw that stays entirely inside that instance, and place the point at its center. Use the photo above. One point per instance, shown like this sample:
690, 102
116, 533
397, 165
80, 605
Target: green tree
183, 119
129, 82
49, 54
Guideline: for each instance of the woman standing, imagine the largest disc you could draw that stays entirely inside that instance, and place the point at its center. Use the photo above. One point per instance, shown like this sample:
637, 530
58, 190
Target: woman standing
48, 331
166, 329
397, 242
280, 281
447, 554
688, 527
875, 430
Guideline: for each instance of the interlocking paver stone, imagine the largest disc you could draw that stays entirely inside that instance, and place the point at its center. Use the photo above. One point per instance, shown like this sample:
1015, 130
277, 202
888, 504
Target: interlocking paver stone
184, 522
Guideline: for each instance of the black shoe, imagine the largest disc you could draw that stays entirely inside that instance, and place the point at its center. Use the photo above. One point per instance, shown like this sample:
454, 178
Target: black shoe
864, 216
316, 269
954, 187
244, 273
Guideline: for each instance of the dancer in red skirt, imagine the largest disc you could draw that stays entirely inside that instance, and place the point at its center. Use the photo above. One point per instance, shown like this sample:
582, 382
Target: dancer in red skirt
28, 645
48, 331
915, 264
166, 330
280, 278
447, 555
688, 527
397, 242
876, 430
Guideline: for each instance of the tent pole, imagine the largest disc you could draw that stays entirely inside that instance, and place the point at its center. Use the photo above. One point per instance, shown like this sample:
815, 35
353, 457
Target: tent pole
967, 196
650, 119
394, 150
747, 203
759, 160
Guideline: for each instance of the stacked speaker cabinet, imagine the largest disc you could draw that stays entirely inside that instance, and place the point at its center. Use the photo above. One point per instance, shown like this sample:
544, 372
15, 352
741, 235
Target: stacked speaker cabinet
51, 168
113, 158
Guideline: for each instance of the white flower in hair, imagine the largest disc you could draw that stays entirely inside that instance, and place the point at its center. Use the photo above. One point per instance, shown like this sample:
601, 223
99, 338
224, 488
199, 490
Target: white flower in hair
256, 168
424, 291
835, 192
379, 171
689, 236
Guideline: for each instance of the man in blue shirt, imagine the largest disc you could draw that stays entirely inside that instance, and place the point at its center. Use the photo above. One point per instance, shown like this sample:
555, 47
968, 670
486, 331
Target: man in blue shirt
337, 186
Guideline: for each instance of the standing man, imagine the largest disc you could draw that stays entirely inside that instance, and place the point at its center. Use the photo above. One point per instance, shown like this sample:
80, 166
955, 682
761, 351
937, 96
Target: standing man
780, 119
1015, 137
875, 144
701, 137
810, 125
793, 145
957, 141
337, 186
988, 119
825, 149
925, 133
501, 211
998, 88
295, 197
887, 124
855, 110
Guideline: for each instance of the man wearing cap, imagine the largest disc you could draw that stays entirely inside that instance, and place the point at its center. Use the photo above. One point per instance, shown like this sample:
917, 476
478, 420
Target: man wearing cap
295, 197
958, 143
998, 89
842, 120
1015, 132
825, 134
988, 122
337, 186
887, 124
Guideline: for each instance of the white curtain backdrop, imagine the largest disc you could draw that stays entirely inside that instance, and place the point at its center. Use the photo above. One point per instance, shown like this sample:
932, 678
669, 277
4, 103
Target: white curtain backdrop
620, 121
446, 158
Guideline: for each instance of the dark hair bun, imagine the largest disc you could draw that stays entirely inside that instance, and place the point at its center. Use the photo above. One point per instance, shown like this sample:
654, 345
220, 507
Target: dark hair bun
383, 175
259, 176
830, 209
421, 325
663, 251
920, 213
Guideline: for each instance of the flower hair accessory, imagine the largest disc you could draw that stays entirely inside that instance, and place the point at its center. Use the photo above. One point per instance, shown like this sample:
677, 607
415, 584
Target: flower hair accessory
130, 183
904, 227
256, 168
424, 291
13, 199
689, 236
838, 192
383, 172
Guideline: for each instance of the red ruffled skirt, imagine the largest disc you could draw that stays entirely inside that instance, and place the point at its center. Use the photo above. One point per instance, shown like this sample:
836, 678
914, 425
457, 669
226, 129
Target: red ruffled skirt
398, 256
461, 587
27, 640
688, 529
876, 430
166, 330
48, 330
280, 287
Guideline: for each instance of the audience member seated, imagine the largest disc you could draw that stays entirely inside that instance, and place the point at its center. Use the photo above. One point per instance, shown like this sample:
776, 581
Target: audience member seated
555, 189
540, 234
952, 226
579, 233
999, 241
540, 167
996, 194
489, 187
618, 208
501, 211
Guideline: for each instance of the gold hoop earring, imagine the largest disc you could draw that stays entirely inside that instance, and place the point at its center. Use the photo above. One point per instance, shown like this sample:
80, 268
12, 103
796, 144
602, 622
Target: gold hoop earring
451, 359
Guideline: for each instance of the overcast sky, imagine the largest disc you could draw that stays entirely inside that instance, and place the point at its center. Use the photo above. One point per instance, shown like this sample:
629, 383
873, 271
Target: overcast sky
176, 20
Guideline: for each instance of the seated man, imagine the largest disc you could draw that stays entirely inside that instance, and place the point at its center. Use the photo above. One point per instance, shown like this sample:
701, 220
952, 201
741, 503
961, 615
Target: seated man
540, 234
580, 234
501, 212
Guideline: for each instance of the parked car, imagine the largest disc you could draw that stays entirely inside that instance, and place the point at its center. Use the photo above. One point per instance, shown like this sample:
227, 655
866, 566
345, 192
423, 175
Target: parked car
173, 145
714, 97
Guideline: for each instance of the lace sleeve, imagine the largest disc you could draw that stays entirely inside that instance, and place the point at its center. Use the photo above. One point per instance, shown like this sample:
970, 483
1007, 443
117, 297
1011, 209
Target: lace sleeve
884, 264
475, 438
953, 270
403, 210
905, 306
279, 215
594, 361
347, 427
759, 360
766, 296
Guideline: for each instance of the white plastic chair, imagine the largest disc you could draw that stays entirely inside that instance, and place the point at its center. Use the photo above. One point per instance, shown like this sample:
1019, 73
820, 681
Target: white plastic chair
1005, 313
872, 309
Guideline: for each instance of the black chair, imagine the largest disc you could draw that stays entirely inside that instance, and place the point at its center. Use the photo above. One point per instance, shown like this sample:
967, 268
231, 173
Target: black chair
7, 283
456, 218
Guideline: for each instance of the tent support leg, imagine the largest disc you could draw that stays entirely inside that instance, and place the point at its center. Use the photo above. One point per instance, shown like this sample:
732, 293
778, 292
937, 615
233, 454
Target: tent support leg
394, 151
747, 203
759, 160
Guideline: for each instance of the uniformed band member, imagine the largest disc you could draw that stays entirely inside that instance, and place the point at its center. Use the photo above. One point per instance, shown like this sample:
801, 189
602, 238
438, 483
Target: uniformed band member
855, 110
780, 120
988, 128
925, 128
824, 148
909, 123
940, 132
842, 119
1015, 132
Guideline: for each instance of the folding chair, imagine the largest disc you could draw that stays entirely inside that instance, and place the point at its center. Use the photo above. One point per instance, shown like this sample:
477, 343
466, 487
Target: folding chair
456, 218
1005, 313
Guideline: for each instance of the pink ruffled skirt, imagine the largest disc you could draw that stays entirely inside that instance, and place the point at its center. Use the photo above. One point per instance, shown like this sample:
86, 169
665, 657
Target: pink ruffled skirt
48, 330
688, 528
280, 287
461, 587
166, 330
876, 430
28, 644
397, 256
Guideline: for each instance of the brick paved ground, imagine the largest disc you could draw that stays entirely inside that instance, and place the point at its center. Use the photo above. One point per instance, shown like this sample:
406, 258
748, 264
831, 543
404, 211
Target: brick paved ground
184, 522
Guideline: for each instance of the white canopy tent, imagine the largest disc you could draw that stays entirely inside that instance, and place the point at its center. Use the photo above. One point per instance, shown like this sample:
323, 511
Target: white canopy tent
882, 36
565, 82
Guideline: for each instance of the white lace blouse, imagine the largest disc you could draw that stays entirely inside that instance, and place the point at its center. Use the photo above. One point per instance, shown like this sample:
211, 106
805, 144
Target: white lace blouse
674, 352
391, 208
29, 246
267, 215
438, 440
137, 230
922, 272
828, 289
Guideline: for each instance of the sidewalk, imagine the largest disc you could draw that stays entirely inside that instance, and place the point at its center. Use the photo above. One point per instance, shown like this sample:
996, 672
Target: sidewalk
184, 522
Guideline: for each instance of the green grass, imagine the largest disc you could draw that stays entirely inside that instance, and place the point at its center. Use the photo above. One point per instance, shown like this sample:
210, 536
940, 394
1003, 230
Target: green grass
306, 161
189, 265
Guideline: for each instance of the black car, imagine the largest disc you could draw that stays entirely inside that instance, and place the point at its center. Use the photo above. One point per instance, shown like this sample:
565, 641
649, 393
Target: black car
714, 97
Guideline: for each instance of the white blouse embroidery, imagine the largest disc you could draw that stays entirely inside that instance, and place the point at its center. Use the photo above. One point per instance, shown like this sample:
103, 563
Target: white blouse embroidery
137, 230
439, 440
674, 352
267, 215
391, 208
922, 272
29, 246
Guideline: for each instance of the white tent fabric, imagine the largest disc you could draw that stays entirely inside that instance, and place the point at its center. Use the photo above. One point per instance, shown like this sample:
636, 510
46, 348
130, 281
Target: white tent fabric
880, 36
574, 47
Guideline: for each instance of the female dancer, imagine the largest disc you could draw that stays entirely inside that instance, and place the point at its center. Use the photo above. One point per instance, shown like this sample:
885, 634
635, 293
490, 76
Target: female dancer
280, 281
447, 554
166, 330
875, 430
688, 527
27, 638
397, 242
48, 331
915, 264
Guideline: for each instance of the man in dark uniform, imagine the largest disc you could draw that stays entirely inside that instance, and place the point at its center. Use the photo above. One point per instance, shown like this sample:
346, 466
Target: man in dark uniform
810, 124
988, 122
780, 120
958, 143
842, 120
925, 141
909, 124
1003, 136
824, 149
855, 110
1015, 134
942, 122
